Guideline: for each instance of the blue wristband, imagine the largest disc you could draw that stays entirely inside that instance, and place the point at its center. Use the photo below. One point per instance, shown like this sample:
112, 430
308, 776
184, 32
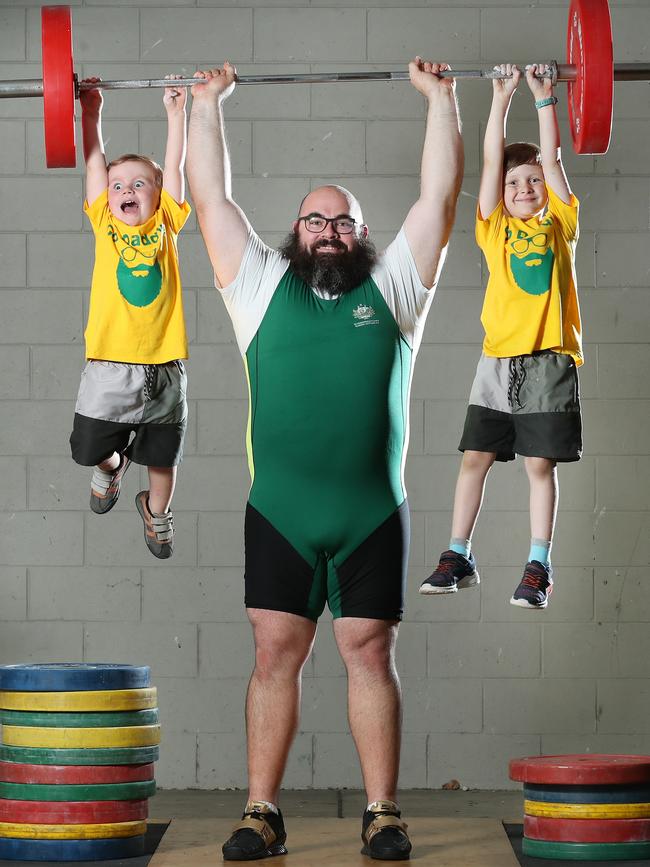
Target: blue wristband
550, 100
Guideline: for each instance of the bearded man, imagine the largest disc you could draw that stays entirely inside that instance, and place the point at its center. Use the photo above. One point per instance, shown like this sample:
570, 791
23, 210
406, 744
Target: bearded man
328, 331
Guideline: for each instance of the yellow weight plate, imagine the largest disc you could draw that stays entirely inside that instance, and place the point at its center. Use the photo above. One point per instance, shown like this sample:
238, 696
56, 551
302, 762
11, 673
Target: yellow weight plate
587, 811
82, 700
104, 830
75, 738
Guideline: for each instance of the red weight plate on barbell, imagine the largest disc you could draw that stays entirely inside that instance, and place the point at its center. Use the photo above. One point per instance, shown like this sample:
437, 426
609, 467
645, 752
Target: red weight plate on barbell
581, 769
587, 830
58, 87
591, 95
72, 812
15, 772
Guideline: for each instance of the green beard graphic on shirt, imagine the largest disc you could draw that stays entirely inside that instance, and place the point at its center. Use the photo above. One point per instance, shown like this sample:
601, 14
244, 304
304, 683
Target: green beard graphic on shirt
532, 272
141, 284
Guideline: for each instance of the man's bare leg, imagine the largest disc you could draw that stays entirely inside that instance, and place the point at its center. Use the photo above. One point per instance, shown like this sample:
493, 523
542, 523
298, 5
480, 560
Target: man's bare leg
375, 711
374, 700
283, 643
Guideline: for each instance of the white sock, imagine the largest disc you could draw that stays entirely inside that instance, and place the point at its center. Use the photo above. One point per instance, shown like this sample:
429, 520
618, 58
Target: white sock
268, 804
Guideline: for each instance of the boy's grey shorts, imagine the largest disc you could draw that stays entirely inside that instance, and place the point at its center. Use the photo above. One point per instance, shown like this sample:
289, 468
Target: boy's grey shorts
525, 405
117, 400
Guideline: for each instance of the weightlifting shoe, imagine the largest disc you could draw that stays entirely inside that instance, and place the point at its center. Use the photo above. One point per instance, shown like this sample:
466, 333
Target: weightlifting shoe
384, 833
105, 486
158, 529
453, 572
260, 834
535, 587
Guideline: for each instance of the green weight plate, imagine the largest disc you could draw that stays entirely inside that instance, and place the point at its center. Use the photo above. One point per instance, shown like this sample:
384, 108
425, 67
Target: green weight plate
585, 851
78, 720
101, 792
103, 756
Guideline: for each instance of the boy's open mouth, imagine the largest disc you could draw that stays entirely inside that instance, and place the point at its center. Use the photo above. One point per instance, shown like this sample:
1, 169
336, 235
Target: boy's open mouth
129, 206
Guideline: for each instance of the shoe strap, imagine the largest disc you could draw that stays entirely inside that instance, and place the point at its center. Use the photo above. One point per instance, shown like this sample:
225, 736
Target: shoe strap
381, 821
163, 526
260, 826
102, 480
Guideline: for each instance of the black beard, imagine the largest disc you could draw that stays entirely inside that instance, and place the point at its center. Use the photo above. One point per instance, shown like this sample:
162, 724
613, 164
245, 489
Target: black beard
330, 273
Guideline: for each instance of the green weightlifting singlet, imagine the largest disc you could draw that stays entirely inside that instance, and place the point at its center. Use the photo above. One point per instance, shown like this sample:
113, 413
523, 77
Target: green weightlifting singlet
328, 389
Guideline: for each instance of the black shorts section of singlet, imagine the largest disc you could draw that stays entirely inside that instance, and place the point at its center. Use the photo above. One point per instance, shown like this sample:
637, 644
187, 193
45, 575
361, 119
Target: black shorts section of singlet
369, 583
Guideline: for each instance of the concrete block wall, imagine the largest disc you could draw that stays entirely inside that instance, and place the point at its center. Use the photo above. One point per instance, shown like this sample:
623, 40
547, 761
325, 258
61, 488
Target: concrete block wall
483, 681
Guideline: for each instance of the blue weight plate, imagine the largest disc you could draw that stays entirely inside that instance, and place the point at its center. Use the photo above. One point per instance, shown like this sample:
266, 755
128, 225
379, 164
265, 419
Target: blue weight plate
71, 676
13, 849
587, 794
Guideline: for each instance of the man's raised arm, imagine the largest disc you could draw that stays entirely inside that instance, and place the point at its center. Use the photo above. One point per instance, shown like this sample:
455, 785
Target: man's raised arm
429, 222
223, 224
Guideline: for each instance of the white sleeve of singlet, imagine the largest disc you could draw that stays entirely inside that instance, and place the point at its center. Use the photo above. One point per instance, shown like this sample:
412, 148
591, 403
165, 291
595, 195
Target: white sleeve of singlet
408, 299
248, 296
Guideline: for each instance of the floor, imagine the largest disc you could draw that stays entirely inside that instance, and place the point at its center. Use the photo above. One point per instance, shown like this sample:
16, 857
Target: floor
448, 828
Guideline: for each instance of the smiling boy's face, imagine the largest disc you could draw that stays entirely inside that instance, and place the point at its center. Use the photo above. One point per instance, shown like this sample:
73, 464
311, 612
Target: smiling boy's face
133, 194
524, 191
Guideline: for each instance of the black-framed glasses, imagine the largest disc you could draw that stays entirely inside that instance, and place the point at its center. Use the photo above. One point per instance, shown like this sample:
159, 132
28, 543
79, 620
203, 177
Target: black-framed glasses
342, 225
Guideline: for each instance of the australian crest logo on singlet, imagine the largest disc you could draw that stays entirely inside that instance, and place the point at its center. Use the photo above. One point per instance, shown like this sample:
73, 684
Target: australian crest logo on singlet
139, 276
364, 315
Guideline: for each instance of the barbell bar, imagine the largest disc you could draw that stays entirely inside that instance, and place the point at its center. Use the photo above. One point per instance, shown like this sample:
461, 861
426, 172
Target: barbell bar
589, 74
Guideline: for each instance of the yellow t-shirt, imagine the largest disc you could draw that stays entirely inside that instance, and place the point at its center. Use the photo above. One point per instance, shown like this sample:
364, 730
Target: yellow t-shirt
136, 308
531, 301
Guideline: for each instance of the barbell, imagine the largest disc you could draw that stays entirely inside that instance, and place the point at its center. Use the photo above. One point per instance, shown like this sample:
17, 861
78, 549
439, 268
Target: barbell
589, 73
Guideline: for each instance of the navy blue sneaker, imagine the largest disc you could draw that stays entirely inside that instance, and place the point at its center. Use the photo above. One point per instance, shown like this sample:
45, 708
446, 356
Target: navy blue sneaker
453, 572
535, 587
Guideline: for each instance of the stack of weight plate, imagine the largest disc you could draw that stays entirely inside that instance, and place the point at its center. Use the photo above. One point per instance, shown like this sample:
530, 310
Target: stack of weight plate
76, 761
585, 807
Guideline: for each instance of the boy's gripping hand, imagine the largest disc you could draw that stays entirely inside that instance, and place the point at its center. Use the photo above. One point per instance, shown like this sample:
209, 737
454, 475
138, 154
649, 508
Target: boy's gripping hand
218, 82
91, 100
505, 87
174, 98
541, 88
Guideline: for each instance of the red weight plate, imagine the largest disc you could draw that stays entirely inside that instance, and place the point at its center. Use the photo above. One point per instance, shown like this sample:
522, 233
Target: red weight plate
72, 812
591, 95
14, 772
58, 87
587, 830
581, 770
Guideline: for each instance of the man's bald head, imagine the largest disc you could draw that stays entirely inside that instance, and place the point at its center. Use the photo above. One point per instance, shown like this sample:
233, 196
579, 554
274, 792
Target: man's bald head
331, 197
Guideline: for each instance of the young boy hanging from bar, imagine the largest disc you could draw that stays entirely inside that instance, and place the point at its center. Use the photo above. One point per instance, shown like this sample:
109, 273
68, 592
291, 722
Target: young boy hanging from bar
131, 404
524, 399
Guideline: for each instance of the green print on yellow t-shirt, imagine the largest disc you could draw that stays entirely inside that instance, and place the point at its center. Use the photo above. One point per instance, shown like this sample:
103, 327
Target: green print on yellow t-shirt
139, 277
531, 262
